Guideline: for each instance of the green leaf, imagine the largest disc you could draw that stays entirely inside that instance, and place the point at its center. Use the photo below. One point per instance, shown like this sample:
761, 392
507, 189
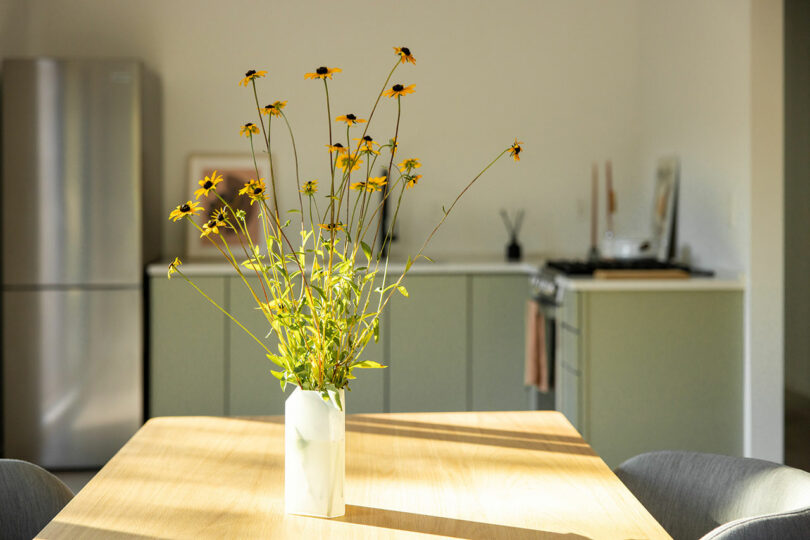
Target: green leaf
318, 290
368, 364
278, 374
277, 360
403, 290
408, 264
366, 250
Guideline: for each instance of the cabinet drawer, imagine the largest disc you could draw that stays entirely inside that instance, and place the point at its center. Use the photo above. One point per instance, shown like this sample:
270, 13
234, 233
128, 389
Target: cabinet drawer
568, 346
568, 312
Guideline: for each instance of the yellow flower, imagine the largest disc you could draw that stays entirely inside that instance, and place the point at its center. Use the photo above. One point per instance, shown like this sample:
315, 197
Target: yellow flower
331, 226
249, 129
411, 163
515, 150
372, 184
310, 188
412, 180
173, 266
349, 161
254, 189
322, 73
183, 210
357, 186
378, 181
274, 109
366, 145
405, 55
219, 218
337, 147
250, 75
207, 184
350, 119
398, 90
208, 228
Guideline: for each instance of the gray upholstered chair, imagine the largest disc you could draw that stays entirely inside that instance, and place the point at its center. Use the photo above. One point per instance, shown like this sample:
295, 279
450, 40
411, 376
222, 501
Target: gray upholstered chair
715, 497
30, 497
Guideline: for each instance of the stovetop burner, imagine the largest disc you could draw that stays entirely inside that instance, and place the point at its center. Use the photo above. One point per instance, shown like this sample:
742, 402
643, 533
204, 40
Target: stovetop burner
587, 268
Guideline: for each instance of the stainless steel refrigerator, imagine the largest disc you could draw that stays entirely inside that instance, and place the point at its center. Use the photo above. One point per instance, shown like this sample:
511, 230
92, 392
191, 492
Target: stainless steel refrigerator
80, 193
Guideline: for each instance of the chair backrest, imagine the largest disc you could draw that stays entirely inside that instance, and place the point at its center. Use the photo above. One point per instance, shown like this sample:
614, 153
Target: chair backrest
692, 494
30, 497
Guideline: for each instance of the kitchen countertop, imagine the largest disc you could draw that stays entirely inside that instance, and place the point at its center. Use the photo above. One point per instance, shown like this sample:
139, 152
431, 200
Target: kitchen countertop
218, 268
720, 282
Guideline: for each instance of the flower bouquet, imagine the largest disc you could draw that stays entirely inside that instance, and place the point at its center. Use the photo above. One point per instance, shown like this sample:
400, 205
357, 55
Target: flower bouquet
321, 284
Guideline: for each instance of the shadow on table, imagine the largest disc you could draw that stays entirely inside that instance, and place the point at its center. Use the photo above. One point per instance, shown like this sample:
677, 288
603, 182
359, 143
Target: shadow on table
466, 434
455, 433
442, 526
74, 530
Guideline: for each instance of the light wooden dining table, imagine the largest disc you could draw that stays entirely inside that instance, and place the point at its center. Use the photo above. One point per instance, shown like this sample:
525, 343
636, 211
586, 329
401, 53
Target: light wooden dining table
487, 475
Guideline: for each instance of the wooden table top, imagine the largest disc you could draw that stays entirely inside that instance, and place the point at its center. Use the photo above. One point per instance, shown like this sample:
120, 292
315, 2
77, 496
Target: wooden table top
462, 475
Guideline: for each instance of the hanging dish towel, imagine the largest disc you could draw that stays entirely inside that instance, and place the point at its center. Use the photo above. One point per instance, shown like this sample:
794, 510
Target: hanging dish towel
536, 372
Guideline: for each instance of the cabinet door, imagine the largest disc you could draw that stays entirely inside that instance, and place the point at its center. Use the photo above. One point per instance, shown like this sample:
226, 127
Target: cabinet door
428, 360
498, 314
251, 388
187, 348
665, 371
568, 389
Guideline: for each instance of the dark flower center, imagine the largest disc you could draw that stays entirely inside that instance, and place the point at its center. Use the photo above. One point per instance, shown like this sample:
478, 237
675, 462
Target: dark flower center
517, 149
397, 88
211, 224
322, 70
351, 117
208, 185
257, 191
337, 144
249, 124
253, 71
368, 138
271, 106
405, 50
185, 208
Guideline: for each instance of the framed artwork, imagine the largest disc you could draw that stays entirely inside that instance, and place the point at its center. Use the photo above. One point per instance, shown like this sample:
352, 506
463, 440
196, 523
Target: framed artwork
236, 171
665, 204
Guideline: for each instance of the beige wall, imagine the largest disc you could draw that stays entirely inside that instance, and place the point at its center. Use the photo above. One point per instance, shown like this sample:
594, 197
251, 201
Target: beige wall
695, 95
561, 76
765, 366
14, 33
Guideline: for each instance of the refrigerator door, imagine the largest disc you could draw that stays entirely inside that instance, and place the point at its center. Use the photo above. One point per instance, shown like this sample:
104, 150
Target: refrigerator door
71, 172
73, 371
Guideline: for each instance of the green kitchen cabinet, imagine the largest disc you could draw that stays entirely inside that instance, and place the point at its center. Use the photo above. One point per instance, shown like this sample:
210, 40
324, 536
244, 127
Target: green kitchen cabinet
428, 345
456, 344
497, 342
644, 370
187, 337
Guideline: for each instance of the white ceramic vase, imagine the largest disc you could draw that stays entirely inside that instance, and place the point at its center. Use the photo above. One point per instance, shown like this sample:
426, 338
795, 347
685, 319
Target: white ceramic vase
314, 455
